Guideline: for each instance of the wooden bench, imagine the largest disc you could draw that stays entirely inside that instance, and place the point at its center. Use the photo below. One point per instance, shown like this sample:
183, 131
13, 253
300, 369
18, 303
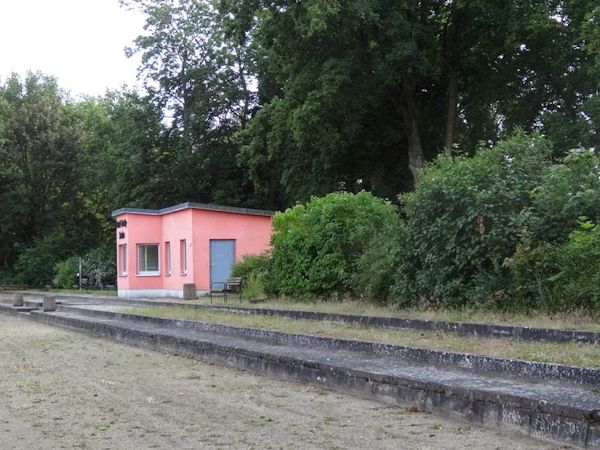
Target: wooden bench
233, 285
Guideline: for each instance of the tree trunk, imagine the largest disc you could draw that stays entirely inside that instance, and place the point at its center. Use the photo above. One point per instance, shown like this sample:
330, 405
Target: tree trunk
454, 47
244, 85
452, 106
416, 158
415, 151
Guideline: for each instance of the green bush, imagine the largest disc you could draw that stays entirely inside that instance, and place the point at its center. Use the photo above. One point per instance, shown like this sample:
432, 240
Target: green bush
568, 191
577, 285
100, 265
35, 265
256, 272
560, 277
66, 273
464, 219
251, 265
254, 288
532, 269
317, 246
376, 267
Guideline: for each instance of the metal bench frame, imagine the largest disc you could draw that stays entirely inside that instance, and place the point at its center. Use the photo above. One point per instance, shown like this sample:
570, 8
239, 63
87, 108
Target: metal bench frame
233, 285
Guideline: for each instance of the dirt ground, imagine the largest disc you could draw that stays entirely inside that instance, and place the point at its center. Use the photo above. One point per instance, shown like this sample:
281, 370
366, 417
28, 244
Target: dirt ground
60, 389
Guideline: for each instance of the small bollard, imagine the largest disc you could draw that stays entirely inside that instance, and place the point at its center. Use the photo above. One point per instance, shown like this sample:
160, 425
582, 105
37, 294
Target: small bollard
49, 303
17, 299
189, 291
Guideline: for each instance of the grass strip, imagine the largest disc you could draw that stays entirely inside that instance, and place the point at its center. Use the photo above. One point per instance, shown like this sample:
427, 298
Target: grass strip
575, 320
570, 353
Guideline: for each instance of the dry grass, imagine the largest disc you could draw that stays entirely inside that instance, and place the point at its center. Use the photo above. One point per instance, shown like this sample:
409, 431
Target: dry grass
61, 389
564, 353
577, 320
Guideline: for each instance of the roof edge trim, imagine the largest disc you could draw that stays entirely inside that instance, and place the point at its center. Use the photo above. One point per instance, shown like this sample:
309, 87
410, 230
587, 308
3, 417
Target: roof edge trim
191, 205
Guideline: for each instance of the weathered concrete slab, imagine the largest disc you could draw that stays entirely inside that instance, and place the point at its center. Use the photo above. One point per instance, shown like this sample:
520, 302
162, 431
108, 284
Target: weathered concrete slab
49, 303
506, 367
464, 361
564, 412
17, 299
460, 328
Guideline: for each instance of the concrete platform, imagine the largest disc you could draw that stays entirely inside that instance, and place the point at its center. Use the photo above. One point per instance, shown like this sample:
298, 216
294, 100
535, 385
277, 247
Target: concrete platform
562, 411
460, 328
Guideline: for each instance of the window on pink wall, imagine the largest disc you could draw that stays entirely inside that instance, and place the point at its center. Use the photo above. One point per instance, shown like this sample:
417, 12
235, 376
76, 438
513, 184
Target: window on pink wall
123, 259
167, 258
148, 260
183, 257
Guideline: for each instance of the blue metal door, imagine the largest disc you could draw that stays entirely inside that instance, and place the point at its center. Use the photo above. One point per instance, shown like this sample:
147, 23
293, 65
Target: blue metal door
222, 255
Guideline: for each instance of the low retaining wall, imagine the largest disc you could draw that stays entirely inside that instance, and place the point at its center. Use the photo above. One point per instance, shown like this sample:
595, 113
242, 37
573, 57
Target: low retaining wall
533, 417
482, 364
504, 411
460, 328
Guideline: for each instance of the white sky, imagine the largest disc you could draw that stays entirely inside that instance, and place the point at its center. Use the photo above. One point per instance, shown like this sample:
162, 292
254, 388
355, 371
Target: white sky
81, 42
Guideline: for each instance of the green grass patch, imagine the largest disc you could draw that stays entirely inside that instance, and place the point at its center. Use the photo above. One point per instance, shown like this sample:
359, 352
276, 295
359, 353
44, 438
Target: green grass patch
570, 353
576, 320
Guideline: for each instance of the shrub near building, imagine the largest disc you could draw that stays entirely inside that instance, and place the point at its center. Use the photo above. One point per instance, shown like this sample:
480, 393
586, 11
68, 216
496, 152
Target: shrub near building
557, 262
464, 219
507, 228
317, 247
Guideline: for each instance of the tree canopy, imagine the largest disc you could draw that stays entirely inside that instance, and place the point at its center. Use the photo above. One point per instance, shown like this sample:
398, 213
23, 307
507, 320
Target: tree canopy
369, 90
265, 103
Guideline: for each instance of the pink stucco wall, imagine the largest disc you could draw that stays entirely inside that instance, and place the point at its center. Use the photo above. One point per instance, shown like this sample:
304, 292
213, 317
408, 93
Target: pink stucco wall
197, 227
252, 235
175, 227
141, 229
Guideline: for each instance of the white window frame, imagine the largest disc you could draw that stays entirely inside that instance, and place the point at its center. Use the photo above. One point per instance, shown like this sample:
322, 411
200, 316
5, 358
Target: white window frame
168, 264
123, 260
183, 264
147, 273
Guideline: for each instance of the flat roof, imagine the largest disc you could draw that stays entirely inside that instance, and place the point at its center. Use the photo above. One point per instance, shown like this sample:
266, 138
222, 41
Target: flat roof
191, 205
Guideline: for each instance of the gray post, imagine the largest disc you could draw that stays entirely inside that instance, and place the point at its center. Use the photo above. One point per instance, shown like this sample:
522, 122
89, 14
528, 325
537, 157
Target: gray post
17, 299
80, 275
189, 291
49, 303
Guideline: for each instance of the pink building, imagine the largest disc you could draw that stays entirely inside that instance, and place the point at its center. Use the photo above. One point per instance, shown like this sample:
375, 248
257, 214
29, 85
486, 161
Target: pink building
158, 251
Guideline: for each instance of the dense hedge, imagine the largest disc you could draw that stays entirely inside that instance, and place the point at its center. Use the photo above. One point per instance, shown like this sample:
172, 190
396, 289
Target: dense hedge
36, 264
98, 265
256, 272
464, 219
569, 190
561, 276
317, 247
508, 228
557, 264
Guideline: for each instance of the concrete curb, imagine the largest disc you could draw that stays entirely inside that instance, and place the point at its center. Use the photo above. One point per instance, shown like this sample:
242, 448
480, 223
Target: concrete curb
460, 328
482, 364
538, 419
535, 417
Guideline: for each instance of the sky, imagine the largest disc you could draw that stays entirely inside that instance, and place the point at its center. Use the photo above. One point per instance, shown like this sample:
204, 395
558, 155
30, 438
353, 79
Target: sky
80, 42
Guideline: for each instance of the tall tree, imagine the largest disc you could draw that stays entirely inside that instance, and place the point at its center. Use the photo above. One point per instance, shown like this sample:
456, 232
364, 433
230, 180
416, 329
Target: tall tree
201, 82
126, 157
369, 89
40, 193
